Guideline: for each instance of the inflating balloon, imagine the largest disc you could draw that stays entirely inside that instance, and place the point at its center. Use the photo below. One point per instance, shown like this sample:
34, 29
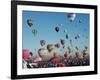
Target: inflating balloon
34, 31
42, 52
57, 29
37, 59
42, 42
30, 22
26, 54
50, 47
71, 16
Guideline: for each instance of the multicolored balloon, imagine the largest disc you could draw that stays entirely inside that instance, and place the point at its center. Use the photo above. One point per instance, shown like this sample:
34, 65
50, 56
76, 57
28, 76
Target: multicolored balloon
30, 22
50, 47
42, 52
42, 42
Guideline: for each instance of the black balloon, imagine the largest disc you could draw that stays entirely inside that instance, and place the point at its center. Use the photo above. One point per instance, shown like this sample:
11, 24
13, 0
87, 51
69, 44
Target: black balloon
57, 29
30, 22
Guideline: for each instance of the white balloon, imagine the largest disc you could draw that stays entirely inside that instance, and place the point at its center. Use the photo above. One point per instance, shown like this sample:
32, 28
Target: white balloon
71, 16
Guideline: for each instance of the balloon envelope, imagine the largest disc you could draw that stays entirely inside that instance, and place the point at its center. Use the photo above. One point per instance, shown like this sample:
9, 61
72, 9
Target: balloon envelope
57, 29
57, 45
62, 41
71, 16
50, 47
30, 22
42, 52
67, 36
34, 31
42, 42
26, 54
37, 59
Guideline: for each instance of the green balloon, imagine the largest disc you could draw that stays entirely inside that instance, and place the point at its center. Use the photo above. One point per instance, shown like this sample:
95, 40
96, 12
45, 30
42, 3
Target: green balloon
34, 31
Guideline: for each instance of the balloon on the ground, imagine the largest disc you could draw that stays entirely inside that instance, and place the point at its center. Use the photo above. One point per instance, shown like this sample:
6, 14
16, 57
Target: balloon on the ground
42, 42
30, 22
42, 52
26, 54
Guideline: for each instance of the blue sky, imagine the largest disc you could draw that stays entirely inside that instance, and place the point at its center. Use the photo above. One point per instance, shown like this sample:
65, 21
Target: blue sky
45, 23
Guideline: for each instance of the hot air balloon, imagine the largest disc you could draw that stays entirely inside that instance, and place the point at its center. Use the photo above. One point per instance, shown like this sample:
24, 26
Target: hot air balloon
76, 48
56, 58
77, 36
42, 52
69, 49
50, 47
30, 22
34, 31
79, 21
62, 41
65, 31
70, 41
71, 16
26, 54
57, 45
57, 29
67, 36
42, 42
